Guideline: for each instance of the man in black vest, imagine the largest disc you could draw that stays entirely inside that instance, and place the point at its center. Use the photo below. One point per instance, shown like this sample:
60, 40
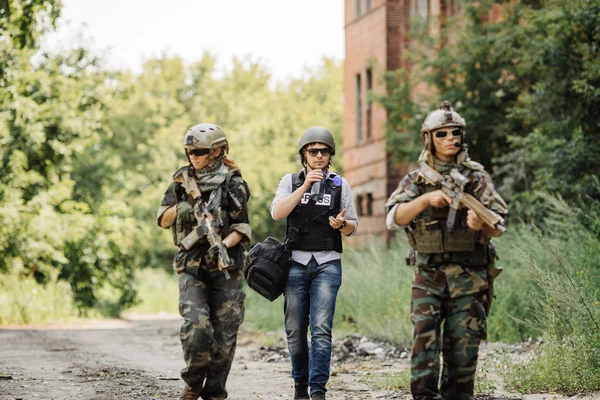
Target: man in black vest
316, 271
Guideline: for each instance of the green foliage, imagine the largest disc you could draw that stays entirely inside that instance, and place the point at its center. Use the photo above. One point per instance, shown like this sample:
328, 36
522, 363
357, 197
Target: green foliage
568, 318
23, 22
262, 315
27, 302
375, 296
86, 154
158, 293
528, 85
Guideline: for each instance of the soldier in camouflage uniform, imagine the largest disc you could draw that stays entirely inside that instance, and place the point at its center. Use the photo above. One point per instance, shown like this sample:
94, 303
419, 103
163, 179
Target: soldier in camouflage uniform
454, 267
210, 304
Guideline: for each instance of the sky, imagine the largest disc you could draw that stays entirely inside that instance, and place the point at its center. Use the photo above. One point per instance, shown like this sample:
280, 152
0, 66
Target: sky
284, 35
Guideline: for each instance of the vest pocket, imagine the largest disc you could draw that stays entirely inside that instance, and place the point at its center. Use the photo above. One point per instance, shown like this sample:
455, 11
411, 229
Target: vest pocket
462, 239
428, 240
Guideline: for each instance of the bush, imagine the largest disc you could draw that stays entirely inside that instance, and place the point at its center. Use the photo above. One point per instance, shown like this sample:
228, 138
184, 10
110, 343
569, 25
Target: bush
567, 317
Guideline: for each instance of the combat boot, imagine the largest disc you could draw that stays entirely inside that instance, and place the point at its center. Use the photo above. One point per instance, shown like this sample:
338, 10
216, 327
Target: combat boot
300, 391
318, 396
190, 393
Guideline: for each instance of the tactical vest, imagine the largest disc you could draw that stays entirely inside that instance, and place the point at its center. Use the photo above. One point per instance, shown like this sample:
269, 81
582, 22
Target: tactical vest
316, 234
219, 204
429, 236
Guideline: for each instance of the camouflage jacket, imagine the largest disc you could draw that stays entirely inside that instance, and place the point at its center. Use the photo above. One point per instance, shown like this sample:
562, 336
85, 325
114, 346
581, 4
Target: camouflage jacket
222, 208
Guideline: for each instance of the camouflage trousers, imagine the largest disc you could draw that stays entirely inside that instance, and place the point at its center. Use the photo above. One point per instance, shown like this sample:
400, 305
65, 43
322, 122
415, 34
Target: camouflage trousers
213, 310
449, 320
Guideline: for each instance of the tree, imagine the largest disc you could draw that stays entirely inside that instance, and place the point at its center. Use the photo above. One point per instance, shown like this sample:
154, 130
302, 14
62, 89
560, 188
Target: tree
528, 85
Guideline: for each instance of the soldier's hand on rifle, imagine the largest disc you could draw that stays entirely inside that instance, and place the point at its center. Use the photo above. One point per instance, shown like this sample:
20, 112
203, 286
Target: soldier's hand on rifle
473, 221
438, 199
185, 212
213, 253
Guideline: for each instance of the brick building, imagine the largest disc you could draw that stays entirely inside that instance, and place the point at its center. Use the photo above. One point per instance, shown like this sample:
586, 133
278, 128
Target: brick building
376, 33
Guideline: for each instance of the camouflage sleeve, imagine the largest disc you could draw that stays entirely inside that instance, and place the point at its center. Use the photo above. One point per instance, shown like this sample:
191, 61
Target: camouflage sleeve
483, 189
170, 198
240, 193
406, 191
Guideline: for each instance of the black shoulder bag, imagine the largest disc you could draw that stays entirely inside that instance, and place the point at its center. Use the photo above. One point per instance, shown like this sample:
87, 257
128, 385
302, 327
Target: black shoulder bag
267, 265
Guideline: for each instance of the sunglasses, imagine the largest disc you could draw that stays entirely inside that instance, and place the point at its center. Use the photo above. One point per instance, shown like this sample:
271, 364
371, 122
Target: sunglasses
199, 152
325, 151
443, 134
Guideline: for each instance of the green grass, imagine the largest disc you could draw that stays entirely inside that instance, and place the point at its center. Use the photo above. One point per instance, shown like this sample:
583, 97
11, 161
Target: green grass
24, 301
157, 292
398, 380
568, 320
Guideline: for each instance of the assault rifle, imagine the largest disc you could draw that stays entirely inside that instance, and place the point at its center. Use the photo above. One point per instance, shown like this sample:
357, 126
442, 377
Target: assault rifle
454, 186
206, 223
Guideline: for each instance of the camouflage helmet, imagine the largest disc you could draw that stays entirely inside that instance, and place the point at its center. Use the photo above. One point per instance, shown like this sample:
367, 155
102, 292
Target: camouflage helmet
317, 134
205, 136
443, 117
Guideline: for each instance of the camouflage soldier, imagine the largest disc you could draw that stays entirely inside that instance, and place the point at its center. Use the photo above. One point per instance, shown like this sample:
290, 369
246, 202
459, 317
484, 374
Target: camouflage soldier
454, 266
210, 302
315, 275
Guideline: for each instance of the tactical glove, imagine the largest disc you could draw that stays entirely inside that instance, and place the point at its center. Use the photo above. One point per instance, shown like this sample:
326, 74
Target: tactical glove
185, 212
213, 253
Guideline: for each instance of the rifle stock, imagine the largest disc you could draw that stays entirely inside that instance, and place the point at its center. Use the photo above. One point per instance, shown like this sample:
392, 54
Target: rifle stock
453, 186
205, 221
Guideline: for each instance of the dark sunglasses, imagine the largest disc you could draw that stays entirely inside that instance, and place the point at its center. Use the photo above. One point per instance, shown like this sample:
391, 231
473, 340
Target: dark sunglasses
443, 134
325, 151
199, 152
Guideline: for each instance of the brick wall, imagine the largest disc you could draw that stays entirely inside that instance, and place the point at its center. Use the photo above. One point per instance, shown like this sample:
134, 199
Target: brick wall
376, 39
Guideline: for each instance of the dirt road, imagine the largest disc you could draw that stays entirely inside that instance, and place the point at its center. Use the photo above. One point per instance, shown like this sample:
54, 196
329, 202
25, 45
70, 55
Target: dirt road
142, 360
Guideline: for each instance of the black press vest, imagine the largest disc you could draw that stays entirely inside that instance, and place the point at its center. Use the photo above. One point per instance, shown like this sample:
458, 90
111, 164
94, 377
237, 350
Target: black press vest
316, 234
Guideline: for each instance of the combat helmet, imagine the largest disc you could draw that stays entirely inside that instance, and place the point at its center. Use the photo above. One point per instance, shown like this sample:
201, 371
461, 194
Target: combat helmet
316, 134
207, 136
444, 116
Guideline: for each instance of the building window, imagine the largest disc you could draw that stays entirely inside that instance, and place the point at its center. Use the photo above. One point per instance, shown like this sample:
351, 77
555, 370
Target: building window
359, 209
358, 8
369, 76
420, 14
368, 5
359, 135
369, 203
420, 8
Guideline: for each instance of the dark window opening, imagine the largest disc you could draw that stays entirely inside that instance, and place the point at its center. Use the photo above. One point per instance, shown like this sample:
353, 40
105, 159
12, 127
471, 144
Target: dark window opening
358, 10
369, 75
359, 210
359, 134
369, 203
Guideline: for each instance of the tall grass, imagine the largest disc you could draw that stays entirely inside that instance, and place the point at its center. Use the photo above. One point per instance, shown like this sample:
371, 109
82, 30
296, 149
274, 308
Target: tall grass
24, 301
158, 292
567, 317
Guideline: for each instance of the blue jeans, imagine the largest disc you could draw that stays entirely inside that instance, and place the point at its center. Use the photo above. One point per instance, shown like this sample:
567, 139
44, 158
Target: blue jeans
310, 296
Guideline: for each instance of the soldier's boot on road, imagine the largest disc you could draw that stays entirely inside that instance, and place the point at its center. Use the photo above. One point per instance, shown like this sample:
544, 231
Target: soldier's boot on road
300, 391
318, 396
190, 393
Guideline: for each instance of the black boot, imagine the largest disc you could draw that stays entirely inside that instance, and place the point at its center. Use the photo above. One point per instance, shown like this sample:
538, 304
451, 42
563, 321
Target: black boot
300, 391
318, 396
